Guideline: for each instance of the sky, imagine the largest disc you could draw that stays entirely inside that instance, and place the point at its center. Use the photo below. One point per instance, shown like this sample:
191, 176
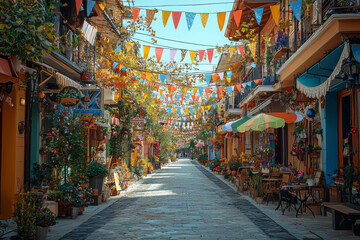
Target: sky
198, 38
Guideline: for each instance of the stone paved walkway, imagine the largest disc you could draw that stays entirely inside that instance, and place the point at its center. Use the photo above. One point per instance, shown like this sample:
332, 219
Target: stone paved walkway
182, 201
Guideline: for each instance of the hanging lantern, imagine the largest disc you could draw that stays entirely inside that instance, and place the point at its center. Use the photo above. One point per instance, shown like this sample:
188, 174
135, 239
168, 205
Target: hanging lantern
41, 95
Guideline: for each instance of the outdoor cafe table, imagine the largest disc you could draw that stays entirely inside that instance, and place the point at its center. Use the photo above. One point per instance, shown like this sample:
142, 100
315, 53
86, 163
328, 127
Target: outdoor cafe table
297, 190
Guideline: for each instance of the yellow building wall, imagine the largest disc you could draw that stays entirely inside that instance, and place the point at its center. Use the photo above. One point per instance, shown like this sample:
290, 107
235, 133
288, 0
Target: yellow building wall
12, 153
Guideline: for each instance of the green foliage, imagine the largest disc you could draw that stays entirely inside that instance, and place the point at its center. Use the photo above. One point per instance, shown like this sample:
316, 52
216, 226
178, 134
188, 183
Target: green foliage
24, 25
257, 184
234, 166
42, 174
46, 218
95, 169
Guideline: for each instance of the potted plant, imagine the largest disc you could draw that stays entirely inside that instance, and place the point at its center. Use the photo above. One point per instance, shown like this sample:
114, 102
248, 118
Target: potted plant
96, 173
44, 220
234, 166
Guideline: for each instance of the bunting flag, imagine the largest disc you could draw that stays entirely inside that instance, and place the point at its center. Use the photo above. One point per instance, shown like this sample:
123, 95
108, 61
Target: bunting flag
237, 16
210, 53
176, 18
195, 90
221, 75
187, 111
256, 81
90, 6
183, 54
201, 55
135, 13
296, 7
275, 11
191, 111
157, 87
173, 110
201, 91
115, 64
174, 87
204, 17
158, 53
229, 89
78, 5
192, 55
258, 14
221, 19
146, 51
190, 19
208, 78
102, 5
169, 110
148, 75
118, 48
252, 47
241, 49
162, 78
165, 17
169, 88
161, 92
238, 86
231, 51
179, 111
220, 89
253, 65
193, 98
229, 74
182, 97
149, 16
172, 54
178, 97
145, 95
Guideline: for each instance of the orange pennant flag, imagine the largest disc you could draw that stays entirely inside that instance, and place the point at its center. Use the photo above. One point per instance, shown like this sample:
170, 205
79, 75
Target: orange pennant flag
252, 47
148, 75
165, 17
204, 17
161, 92
238, 86
159, 102
275, 11
135, 13
192, 55
237, 16
187, 111
157, 87
221, 19
195, 90
193, 97
145, 95
169, 88
220, 89
256, 81
146, 51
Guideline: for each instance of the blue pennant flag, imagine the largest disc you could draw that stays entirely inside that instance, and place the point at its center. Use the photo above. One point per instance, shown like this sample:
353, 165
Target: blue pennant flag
253, 65
191, 111
208, 78
197, 110
90, 6
249, 83
190, 19
229, 89
178, 97
200, 91
118, 48
214, 95
179, 111
136, 76
258, 14
162, 78
214, 107
115, 64
188, 96
229, 74
296, 7
169, 110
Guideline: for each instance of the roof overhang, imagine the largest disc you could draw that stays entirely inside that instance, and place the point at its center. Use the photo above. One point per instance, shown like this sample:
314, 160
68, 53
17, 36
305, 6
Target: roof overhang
326, 38
255, 92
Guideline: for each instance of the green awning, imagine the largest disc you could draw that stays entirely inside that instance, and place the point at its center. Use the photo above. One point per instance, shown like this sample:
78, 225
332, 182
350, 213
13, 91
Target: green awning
237, 123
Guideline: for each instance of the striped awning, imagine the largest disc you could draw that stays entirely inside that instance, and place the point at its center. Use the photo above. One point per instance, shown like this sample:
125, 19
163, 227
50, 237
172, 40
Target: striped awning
66, 82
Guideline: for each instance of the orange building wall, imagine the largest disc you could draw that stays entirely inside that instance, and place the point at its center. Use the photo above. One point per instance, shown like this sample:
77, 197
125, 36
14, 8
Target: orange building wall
12, 154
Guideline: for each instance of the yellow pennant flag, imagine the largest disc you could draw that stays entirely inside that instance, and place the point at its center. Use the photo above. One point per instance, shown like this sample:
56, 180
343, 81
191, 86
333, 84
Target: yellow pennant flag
252, 47
228, 79
184, 90
145, 95
221, 19
148, 75
208, 107
129, 46
275, 11
195, 90
192, 55
102, 5
231, 51
161, 92
187, 111
204, 17
165, 17
146, 51
173, 110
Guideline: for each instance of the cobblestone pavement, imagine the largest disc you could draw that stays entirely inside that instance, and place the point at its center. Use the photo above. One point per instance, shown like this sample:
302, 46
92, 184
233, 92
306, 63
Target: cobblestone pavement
182, 201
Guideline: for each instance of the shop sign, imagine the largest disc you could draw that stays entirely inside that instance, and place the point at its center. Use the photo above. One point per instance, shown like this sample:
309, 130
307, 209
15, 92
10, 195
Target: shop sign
91, 103
69, 96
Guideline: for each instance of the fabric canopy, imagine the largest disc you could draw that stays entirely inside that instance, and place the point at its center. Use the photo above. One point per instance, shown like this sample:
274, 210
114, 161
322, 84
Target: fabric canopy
261, 122
288, 117
227, 126
237, 123
315, 82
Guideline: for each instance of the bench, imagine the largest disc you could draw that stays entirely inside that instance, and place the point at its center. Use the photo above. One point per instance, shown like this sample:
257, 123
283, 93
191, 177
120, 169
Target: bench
343, 217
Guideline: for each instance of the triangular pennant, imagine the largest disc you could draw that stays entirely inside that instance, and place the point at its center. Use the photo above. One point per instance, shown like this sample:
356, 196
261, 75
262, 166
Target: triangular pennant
238, 86
296, 8
174, 87
229, 89
190, 19
173, 110
178, 97
146, 50
169, 88
187, 111
157, 87
221, 19
162, 78
191, 111
101, 5
231, 51
221, 75
275, 11
171, 97
161, 92
195, 90
201, 91
220, 89
208, 78
179, 111
193, 97
172, 54
148, 75
90, 6
201, 55
210, 53
158, 53
165, 17
252, 47
197, 98
183, 54
192, 55
204, 17
135, 13
241, 49
145, 95
78, 5
149, 16
176, 18
229, 74
258, 14
237, 17
169, 110
182, 97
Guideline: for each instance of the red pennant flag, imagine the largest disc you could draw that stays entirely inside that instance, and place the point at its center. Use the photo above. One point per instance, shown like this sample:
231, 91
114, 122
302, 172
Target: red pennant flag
197, 98
174, 87
237, 16
135, 13
152, 83
207, 89
78, 5
181, 102
241, 49
210, 53
182, 97
201, 55
262, 80
220, 89
159, 102
176, 18
158, 53
256, 81
169, 88
238, 86
193, 97
143, 76
157, 87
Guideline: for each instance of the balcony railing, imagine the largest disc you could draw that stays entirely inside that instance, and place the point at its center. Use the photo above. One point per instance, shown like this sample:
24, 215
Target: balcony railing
269, 81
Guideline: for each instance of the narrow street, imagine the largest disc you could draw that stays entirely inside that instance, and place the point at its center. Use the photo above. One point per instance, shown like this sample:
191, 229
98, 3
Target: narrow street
182, 201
